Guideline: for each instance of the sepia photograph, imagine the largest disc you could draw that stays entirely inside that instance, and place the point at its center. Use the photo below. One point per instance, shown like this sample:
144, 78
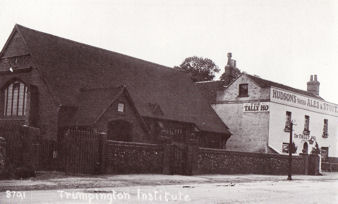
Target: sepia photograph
168, 101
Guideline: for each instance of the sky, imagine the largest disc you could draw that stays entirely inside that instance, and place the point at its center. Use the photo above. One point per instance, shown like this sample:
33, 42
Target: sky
284, 41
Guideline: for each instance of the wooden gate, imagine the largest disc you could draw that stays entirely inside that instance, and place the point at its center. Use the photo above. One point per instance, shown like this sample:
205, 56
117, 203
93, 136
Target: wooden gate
82, 151
179, 159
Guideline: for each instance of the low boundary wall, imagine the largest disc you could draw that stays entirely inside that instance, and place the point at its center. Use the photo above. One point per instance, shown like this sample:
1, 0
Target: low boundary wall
212, 161
127, 157
117, 157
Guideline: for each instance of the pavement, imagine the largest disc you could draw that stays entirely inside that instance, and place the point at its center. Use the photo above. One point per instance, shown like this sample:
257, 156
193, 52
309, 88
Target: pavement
56, 187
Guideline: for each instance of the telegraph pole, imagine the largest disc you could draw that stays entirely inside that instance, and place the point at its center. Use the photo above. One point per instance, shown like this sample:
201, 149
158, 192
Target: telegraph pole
290, 152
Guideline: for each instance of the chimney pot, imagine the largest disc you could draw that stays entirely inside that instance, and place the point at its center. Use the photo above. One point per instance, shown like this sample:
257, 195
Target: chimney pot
315, 77
311, 78
229, 58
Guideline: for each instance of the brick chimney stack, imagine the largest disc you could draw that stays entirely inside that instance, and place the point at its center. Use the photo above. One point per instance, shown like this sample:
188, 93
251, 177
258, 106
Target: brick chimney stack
231, 72
313, 85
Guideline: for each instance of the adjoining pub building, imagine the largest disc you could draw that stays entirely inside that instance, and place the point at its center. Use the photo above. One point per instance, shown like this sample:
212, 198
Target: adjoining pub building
258, 113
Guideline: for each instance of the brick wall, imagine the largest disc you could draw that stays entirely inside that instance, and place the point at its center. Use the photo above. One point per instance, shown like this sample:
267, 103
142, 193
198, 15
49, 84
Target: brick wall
212, 161
127, 157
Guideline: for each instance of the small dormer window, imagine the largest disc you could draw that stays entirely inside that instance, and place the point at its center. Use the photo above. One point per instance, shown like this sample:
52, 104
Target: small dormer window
120, 107
243, 90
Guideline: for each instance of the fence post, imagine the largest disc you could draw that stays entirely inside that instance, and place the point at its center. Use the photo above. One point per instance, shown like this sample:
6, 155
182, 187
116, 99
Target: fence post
27, 146
3, 160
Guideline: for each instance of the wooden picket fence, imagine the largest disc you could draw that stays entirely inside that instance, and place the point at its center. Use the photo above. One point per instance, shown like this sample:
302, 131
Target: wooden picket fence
82, 150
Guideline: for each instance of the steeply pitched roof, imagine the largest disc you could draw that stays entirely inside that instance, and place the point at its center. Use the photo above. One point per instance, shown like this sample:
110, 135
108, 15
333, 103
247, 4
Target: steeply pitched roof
266, 83
68, 66
93, 102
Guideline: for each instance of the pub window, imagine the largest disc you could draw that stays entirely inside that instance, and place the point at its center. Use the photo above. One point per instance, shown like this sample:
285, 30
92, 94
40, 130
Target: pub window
326, 128
121, 107
287, 122
306, 125
243, 90
15, 99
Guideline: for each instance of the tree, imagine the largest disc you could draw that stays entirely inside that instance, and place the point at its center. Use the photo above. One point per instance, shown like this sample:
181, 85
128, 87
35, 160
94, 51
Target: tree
200, 69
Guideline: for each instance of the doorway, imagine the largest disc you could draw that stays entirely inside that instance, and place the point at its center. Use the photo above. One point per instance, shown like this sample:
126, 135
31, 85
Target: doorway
305, 148
119, 130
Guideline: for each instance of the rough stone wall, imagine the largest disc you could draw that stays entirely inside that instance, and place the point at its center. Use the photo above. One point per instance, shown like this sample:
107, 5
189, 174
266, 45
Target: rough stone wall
211, 161
124, 158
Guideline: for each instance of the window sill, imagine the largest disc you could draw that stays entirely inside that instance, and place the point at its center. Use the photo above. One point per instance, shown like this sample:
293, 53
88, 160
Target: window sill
12, 118
243, 96
121, 113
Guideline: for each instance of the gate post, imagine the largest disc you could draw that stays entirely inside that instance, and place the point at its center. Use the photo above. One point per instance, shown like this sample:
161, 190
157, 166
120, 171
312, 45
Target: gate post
167, 152
102, 152
306, 163
192, 156
314, 164
3, 160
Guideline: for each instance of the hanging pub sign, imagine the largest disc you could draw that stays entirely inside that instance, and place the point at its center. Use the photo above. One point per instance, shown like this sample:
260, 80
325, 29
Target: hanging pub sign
255, 107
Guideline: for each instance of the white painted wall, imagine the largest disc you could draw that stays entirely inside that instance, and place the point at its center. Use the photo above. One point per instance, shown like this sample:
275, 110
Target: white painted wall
277, 123
250, 130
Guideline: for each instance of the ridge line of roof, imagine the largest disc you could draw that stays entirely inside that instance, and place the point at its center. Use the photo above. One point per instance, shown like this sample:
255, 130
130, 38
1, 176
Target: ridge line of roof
99, 48
200, 82
273, 84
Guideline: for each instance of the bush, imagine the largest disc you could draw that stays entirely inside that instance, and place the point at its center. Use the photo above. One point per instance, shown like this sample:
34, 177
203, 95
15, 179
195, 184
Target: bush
12, 172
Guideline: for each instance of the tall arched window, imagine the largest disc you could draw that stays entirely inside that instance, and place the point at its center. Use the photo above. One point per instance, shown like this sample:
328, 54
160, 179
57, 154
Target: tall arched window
15, 103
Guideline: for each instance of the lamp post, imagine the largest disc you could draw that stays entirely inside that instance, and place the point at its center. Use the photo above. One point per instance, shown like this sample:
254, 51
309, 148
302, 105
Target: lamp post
290, 152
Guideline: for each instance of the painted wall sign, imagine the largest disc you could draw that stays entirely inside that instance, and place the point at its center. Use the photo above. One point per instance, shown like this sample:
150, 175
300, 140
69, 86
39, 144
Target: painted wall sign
297, 100
301, 136
256, 107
